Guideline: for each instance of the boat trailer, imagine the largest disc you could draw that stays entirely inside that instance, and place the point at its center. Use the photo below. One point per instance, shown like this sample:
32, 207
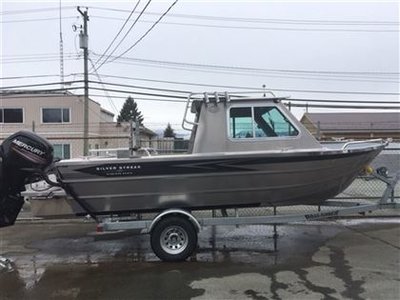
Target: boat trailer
173, 232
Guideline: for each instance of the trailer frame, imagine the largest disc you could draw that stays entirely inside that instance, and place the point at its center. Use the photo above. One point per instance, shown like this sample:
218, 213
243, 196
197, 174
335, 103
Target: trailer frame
179, 238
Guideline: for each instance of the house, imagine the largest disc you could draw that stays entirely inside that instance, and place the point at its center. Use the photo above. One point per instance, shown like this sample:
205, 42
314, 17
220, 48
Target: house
58, 116
353, 125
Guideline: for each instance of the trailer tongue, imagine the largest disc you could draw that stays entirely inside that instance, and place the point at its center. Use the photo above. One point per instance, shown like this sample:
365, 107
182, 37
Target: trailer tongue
24, 156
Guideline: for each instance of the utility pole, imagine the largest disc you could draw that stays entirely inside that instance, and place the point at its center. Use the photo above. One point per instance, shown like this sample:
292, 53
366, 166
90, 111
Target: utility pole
134, 136
84, 43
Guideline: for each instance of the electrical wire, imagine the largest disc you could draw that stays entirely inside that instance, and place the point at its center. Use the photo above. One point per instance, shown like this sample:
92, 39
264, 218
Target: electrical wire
181, 99
37, 60
147, 32
284, 90
204, 85
36, 20
39, 84
291, 100
182, 83
33, 10
119, 32
251, 69
346, 106
126, 34
41, 91
260, 20
139, 93
263, 28
106, 93
38, 76
239, 73
141, 87
342, 101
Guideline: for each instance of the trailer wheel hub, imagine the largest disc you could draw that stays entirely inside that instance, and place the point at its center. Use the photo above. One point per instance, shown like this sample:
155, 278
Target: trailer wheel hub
174, 239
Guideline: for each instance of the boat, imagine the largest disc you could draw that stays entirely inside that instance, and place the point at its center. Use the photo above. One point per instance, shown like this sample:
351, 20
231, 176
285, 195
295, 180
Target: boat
244, 152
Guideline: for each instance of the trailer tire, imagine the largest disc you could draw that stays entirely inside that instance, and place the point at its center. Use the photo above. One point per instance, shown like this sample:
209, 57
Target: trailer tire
173, 238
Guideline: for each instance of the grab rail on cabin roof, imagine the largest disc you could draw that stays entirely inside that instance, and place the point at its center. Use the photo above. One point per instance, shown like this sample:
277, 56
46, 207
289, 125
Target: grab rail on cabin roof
207, 98
215, 97
346, 145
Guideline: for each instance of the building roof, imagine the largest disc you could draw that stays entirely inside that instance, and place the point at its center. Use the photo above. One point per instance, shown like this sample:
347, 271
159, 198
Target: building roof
376, 121
103, 110
41, 94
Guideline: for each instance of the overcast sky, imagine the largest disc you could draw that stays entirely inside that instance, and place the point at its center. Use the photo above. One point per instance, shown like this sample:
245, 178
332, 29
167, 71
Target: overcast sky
226, 37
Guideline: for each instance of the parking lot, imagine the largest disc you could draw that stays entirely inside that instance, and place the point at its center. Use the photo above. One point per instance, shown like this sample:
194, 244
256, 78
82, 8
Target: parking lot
353, 258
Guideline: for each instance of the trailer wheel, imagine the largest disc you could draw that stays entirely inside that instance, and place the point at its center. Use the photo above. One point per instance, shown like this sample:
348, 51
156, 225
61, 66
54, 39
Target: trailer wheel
173, 239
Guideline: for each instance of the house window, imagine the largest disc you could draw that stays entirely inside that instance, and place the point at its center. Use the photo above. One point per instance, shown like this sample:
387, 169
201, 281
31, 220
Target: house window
259, 122
62, 151
11, 115
55, 115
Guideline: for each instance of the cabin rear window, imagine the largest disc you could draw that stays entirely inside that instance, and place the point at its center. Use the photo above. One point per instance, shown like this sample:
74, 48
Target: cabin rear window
259, 122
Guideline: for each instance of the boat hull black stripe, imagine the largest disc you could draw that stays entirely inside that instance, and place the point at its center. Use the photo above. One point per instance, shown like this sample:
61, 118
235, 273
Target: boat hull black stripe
182, 167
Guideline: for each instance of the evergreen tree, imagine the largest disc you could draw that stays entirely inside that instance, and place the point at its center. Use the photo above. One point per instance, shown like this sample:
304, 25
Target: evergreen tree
130, 111
169, 132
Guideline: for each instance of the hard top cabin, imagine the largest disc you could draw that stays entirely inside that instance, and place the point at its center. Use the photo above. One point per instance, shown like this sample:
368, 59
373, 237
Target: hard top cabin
224, 123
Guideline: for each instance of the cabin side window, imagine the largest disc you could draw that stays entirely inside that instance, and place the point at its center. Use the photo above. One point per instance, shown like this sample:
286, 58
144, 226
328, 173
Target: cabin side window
241, 122
259, 122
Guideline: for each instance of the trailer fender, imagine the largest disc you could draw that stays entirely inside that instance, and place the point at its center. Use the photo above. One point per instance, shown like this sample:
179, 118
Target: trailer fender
175, 212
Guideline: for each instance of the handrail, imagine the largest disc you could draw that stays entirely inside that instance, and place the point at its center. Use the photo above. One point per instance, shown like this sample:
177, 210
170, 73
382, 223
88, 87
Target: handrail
185, 120
346, 145
216, 97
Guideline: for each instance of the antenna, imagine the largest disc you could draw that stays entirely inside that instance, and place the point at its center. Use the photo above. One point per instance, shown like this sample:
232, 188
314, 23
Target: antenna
61, 51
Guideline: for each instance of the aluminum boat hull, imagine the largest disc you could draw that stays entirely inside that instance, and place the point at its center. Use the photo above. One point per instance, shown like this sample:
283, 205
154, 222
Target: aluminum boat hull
212, 181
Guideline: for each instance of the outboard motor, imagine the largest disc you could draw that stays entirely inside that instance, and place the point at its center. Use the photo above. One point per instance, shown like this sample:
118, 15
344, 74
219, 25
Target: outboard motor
24, 156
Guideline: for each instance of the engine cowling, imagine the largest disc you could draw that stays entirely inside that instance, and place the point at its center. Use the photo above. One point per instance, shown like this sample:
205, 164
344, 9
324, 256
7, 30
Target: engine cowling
24, 156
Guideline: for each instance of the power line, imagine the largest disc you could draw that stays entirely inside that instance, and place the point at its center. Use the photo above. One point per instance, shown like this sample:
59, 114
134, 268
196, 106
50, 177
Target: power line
346, 106
39, 84
41, 91
259, 70
235, 87
342, 101
33, 55
33, 10
21, 58
337, 92
182, 99
38, 76
139, 93
37, 60
147, 32
333, 92
267, 20
188, 83
107, 94
182, 83
126, 34
119, 32
36, 20
261, 28
141, 87
261, 74
219, 26
291, 100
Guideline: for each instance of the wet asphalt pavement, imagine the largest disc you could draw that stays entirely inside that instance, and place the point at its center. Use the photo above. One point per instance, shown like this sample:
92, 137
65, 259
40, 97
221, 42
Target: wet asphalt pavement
346, 259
